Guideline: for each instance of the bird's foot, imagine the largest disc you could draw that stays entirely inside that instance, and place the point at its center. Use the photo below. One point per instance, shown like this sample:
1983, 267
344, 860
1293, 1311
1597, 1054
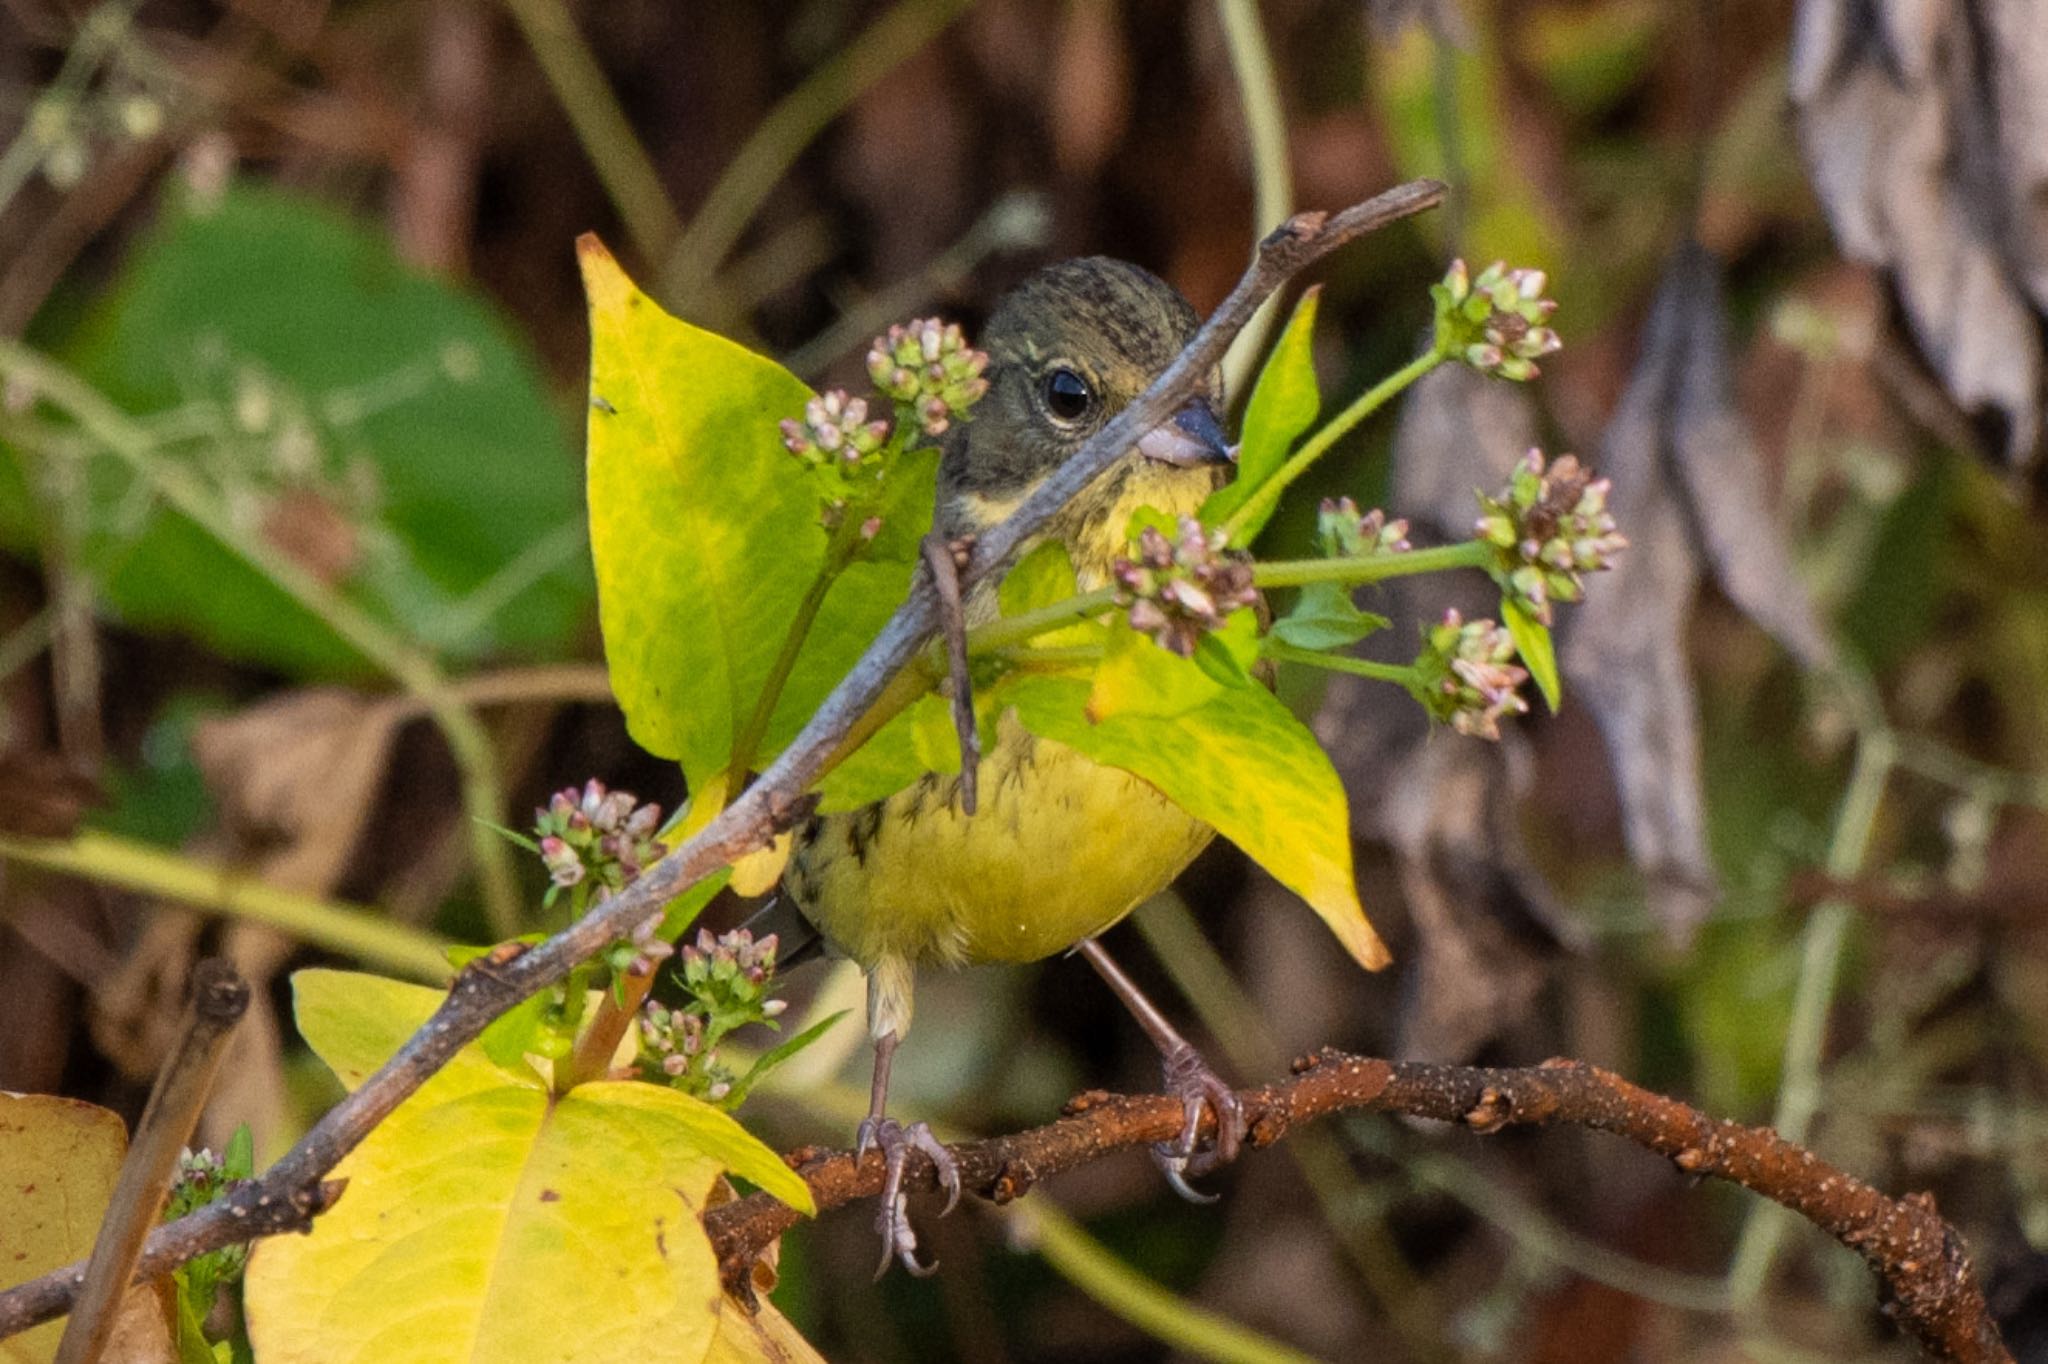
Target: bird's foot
1189, 1079
892, 1219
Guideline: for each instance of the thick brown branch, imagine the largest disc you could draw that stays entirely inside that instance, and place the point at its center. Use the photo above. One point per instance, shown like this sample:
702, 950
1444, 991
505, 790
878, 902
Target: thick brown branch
294, 1188
1927, 1282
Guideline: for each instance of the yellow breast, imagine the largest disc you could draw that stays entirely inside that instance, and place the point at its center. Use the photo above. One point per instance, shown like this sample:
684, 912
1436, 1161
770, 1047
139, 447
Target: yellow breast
1058, 849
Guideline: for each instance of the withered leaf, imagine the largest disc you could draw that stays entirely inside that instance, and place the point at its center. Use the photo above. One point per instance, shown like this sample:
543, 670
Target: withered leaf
1688, 490
1925, 129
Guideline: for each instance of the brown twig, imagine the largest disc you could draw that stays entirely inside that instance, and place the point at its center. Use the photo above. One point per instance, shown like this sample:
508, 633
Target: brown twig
219, 998
1929, 1286
292, 1190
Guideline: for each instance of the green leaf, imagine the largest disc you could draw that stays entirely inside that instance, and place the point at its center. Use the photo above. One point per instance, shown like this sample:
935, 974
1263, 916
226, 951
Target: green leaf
706, 534
1533, 643
1241, 762
1040, 578
769, 1060
239, 1160
385, 428
1138, 677
481, 1213
1325, 617
1283, 405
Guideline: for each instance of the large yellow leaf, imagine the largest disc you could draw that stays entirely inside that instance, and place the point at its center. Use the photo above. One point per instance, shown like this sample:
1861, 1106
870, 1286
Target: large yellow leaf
705, 531
488, 1219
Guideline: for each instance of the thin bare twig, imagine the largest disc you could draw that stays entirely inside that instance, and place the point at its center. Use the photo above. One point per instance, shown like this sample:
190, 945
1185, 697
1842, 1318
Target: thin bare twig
1929, 1285
291, 1190
219, 998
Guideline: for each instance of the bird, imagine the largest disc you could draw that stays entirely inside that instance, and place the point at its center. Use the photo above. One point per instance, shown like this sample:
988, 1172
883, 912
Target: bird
1057, 848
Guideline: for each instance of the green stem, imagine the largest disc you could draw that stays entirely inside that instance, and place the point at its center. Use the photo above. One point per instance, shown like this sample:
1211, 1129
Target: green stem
840, 551
1010, 631
1025, 625
623, 166
1370, 568
1400, 674
1821, 946
1090, 1266
787, 129
1260, 504
122, 437
1265, 126
347, 929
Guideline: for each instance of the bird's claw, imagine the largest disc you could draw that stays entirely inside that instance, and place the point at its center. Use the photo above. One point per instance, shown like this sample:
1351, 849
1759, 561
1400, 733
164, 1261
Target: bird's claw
892, 1219
1189, 1079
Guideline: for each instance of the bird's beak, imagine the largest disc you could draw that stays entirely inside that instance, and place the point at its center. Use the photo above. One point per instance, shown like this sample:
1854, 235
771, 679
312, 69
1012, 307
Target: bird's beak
1190, 438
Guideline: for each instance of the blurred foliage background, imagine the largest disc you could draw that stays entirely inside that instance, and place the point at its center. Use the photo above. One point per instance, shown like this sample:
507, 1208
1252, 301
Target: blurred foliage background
293, 583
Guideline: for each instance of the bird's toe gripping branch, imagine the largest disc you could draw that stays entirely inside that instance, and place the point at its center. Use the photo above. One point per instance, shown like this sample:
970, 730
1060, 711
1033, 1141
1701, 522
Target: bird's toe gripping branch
892, 1218
1189, 1079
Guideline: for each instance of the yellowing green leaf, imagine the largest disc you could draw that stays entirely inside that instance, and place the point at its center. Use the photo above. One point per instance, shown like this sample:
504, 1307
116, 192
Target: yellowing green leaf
705, 532
488, 1219
1533, 643
1284, 402
1241, 762
1138, 677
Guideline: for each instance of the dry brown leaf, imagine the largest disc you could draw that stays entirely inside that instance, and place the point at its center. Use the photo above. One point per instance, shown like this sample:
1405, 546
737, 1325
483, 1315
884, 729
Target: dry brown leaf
1924, 125
1689, 494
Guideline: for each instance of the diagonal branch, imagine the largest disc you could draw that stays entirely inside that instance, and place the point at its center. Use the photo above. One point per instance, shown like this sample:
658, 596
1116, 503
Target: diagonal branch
291, 1191
1927, 1282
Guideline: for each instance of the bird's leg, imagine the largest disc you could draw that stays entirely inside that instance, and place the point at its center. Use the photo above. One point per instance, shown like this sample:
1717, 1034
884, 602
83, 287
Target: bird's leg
945, 558
896, 1142
1188, 1078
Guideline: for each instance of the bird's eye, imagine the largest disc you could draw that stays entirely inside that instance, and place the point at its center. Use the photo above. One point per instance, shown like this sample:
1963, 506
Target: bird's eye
1067, 395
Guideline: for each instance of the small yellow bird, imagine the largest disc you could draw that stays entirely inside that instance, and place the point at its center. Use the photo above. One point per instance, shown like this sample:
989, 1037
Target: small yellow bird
1059, 847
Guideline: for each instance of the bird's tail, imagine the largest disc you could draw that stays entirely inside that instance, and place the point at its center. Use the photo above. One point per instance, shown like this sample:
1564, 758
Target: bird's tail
797, 941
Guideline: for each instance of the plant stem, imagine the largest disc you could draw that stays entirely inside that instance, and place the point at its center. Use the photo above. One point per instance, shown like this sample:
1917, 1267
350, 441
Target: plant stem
1010, 631
1265, 127
1025, 625
783, 134
1400, 674
346, 929
1261, 503
475, 760
839, 552
1090, 1266
592, 1058
1820, 960
623, 166
1371, 568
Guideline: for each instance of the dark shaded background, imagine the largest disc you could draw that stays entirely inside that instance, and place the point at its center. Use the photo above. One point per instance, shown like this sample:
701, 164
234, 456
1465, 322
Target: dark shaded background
321, 255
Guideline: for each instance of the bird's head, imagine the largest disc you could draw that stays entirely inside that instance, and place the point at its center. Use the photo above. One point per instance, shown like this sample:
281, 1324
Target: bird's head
1069, 348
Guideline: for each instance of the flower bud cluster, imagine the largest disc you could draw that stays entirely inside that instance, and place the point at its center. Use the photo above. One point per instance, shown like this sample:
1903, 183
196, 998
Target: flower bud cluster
1547, 527
604, 836
729, 979
1346, 534
1178, 590
202, 1177
928, 367
1467, 676
835, 430
1497, 322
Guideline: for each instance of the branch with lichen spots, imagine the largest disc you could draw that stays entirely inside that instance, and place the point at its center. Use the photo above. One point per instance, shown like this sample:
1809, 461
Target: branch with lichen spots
1923, 1267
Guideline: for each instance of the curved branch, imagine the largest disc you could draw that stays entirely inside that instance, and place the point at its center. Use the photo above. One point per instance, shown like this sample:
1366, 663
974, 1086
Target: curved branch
1928, 1284
292, 1189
